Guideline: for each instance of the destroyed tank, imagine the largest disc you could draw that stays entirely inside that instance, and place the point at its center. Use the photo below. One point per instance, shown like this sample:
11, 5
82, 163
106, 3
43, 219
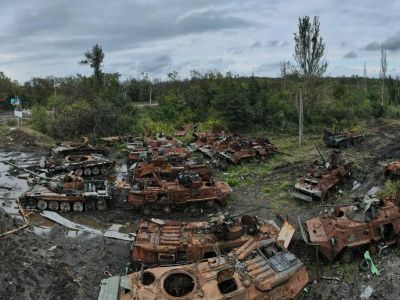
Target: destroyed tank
80, 164
163, 168
63, 150
65, 193
256, 270
342, 139
189, 189
369, 225
161, 242
321, 180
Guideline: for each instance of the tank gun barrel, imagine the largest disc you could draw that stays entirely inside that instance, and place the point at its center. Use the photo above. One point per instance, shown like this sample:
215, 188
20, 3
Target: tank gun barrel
26, 170
241, 214
320, 154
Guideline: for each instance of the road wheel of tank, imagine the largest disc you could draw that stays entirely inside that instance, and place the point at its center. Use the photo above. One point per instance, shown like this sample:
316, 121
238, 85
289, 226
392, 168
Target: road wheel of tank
347, 256
95, 171
146, 210
101, 204
31, 203
373, 248
87, 172
348, 143
104, 171
210, 203
77, 206
167, 209
65, 206
89, 205
53, 205
42, 204
22, 201
364, 265
79, 172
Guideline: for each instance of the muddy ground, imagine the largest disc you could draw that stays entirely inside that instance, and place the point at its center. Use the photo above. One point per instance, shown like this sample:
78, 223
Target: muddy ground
45, 261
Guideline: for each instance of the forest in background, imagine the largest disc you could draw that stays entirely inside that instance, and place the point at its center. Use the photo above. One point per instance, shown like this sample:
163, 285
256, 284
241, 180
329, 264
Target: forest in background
246, 104
103, 104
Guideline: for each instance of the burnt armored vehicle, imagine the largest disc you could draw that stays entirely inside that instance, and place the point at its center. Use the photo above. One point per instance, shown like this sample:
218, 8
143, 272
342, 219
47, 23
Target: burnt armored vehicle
84, 147
342, 139
369, 225
189, 190
321, 179
256, 270
161, 242
163, 168
80, 164
65, 193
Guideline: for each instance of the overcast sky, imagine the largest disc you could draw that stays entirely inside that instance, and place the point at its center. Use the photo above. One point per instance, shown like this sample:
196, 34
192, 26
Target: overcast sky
42, 37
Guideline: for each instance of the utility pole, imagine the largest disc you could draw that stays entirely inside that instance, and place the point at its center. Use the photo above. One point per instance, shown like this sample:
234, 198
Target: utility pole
301, 116
383, 73
365, 81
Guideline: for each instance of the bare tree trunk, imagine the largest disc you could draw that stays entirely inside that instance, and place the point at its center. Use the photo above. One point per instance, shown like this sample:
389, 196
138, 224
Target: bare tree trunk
365, 81
383, 73
300, 119
151, 89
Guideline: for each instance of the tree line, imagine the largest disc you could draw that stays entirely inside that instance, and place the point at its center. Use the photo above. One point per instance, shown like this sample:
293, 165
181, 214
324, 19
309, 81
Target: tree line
104, 104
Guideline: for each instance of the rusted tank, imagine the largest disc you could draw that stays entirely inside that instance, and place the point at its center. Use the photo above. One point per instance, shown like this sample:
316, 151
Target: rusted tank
188, 190
67, 193
80, 164
166, 242
257, 270
162, 167
321, 179
84, 147
392, 169
183, 130
342, 139
370, 224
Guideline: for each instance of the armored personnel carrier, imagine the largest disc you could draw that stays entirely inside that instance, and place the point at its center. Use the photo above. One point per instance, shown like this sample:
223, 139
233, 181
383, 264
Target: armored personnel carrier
189, 189
161, 242
321, 179
257, 270
392, 169
370, 224
65, 193
342, 139
80, 164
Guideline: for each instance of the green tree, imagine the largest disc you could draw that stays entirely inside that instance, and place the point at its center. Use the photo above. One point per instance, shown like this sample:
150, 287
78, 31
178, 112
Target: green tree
94, 58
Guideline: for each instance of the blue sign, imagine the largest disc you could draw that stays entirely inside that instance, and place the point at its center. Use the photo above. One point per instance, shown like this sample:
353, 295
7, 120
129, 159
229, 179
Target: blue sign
15, 101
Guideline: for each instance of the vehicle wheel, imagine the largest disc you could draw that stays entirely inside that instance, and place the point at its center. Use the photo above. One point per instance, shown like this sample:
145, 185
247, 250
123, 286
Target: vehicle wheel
41, 204
89, 205
364, 265
104, 171
101, 204
95, 171
146, 210
167, 209
87, 172
22, 201
373, 249
53, 205
210, 203
79, 172
31, 203
65, 206
347, 256
77, 206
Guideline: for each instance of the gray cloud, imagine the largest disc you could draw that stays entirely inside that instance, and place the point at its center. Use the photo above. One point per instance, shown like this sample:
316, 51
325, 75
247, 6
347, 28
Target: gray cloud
157, 65
273, 43
350, 54
392, 43
256, 45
